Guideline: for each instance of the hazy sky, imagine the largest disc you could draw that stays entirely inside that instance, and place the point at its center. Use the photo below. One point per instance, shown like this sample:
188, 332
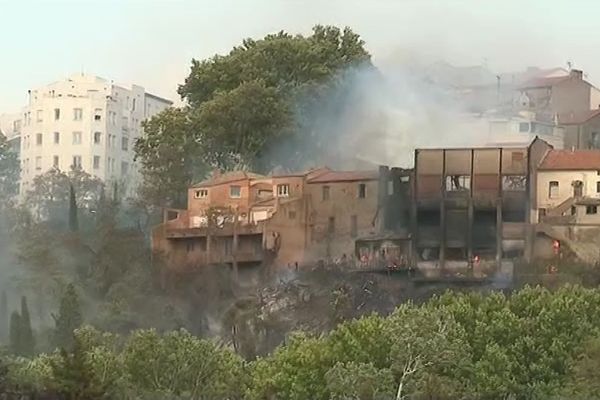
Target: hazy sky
151, 42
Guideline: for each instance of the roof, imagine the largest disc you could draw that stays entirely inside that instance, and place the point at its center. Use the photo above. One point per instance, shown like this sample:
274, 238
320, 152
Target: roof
227, 178
284, 174
576, 118
544, 82
570, 160
345, 176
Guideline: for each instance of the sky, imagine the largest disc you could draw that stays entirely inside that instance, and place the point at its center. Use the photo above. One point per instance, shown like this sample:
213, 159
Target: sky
152, 42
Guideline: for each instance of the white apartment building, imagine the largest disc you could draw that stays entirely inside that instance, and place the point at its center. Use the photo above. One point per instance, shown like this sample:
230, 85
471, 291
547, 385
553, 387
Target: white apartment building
84, 121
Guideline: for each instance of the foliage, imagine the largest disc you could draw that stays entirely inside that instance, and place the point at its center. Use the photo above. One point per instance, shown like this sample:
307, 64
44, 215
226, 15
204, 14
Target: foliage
68, 319
9, 173
356, 381
26, 340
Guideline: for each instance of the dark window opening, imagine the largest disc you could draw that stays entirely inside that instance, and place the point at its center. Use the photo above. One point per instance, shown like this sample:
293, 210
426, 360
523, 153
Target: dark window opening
331, 225
456, 183
325, 193
362, 191
591, 209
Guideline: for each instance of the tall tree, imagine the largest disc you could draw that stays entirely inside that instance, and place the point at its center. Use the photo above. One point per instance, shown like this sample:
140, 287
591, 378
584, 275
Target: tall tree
243, 107
15, 333
73, 221
68, 319
26, 332
4, 317
9, 172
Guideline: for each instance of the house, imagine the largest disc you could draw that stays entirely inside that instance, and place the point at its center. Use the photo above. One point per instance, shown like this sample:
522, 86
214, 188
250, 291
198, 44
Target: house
558, 95
246, 219
582, 129
568, 199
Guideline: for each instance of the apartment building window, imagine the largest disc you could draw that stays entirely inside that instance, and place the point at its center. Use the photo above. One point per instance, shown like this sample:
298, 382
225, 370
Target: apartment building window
458, 182
124, 168
39, 116
283, 190
77, 114
124, 144
325, 193
591, 210
55, 162
56, 114
362, 190
76, 137
331, 225
201, 193
97, 137
553, 189
353, 226
112, 165
598, 187
235, 191
38, 139
112, 117
38, 163
76, 162
98, 114
56, 137
96, 162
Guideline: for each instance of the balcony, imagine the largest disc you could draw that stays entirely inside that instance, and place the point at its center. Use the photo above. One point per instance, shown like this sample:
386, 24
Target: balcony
225, 230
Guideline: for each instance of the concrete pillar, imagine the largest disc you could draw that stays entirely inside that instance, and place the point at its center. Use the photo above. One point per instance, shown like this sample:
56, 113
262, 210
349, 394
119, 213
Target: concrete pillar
442, 235
470, 213
499, 231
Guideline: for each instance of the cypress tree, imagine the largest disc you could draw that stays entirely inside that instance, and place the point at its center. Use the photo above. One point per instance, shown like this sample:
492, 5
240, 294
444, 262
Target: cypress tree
27, 339
4, 323
73, 221
68, 319
15, 333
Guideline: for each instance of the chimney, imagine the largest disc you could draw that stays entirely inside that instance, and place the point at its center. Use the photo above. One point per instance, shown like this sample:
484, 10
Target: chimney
576, 73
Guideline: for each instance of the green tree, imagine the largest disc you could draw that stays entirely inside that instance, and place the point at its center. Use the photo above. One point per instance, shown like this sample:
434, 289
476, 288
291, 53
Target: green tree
73, 221
354, 381
26, 332
15, 333
68, 319
9, 173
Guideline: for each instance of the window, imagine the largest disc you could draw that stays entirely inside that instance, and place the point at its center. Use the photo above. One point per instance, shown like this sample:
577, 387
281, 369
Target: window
292, 214
201, 193
331, 225
595, 141
325, 193
76, 137
56, 114
514, 182
283, 190
456, 183
56, 137
98, 114
235, 191
591, 209
112, 116
76, 162
124, 143
77, 114
598, 187
55, 162
553, 189
97, 137
112, 165
38, 139
96, 162
133, 105
362, 190
353, 226
524, 127
124, 168
38, 163
189, 246
39, 115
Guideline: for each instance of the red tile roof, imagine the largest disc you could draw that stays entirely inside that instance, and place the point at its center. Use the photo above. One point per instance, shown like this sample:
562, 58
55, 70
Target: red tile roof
345, 176
558, 160
543, 82
228, 177
576, 118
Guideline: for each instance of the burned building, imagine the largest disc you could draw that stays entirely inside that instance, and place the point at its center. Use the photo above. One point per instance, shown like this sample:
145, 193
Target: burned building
473, 203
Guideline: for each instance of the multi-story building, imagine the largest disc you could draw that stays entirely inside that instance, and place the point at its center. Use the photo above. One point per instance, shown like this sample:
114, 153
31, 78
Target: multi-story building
84, 121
